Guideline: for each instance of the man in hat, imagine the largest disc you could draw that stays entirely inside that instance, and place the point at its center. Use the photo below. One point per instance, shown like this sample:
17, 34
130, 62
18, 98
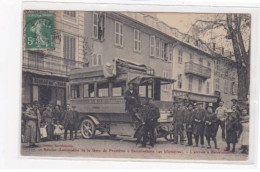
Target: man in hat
150, 114
198, 124
32, 126
69, 122
233, 126
48, 118
221, 113
189, 119
132, 101
178, 121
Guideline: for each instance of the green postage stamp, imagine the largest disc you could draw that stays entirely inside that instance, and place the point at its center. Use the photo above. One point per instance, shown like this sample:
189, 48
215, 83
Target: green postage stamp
39, 28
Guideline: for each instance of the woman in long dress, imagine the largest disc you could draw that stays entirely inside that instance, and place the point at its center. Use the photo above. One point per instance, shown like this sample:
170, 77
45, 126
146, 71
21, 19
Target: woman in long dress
244, 137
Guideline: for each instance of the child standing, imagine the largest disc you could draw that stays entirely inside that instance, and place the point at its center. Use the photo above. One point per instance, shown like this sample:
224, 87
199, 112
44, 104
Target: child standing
43, 131
244, 137
57, 130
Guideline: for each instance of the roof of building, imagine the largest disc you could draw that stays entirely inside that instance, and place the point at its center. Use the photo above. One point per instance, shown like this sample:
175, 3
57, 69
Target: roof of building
182, 38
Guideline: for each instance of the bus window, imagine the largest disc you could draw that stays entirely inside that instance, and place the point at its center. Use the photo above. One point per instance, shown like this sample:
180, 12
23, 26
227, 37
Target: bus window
142, 91
102, 90
88, 90
118, 89
75, 91
150, 91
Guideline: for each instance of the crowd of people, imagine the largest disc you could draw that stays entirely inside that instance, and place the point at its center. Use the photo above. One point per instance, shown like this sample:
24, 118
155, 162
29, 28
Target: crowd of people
190, 120
199, 123
46, 123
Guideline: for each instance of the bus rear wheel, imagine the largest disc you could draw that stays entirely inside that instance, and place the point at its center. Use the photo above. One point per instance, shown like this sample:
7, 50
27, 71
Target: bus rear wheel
88, 129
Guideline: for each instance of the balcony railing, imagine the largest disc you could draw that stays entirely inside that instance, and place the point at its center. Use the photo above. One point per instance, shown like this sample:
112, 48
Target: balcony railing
49, 63
198, 70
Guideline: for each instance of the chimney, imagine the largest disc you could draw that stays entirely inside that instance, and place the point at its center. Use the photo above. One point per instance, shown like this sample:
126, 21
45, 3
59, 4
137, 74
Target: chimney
222, 50
214, 46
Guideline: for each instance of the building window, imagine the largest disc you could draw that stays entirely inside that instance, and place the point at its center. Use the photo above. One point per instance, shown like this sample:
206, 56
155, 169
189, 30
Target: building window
119, 34
179, 80
166, 75
198, 43
75, 91
191, 58
137, 40
217, 83
200, 85
217, 65
226, 86
201, 61
162, 50
88, 90
209, 64
190, 83
97, 60
69, 47
152, 46
157, 47
167, 52
171, 53
180, 56
71, 14
98, 26
232, 86
208, 87
102, 89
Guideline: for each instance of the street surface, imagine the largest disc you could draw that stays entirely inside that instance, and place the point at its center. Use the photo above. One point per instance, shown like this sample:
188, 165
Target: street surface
104, 146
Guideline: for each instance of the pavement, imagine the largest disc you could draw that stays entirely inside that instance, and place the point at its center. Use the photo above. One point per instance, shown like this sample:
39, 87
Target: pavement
104, 146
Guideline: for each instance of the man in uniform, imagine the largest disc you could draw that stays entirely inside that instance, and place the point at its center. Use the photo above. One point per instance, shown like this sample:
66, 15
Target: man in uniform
132, 101
69, 122
32, 126
198, 124
221, 113
150, 115
48, 118
189, 119
178, 118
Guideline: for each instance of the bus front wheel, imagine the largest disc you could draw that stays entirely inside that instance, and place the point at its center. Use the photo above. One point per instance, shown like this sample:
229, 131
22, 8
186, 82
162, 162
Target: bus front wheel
87, 129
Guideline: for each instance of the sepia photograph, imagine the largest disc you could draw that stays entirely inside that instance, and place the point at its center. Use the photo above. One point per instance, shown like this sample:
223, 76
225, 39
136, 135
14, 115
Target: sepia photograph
136, 85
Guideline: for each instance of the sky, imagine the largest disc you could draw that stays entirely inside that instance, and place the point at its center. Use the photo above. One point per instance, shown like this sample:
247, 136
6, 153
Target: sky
181, 21
184, 21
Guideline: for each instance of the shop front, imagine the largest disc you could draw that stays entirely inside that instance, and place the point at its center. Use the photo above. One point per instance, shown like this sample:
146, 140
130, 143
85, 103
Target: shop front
44, 89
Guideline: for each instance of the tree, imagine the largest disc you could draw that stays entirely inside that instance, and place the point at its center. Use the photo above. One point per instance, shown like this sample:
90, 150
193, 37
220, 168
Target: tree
234, 28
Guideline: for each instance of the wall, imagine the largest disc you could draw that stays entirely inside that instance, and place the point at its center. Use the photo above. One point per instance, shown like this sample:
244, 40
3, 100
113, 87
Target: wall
109, 50
179, 69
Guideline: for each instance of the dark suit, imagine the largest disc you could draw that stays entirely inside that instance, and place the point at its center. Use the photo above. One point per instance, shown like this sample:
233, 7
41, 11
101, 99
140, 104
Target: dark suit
70, 122
198, 125
189, 120
178, 118
132, 102
150, 114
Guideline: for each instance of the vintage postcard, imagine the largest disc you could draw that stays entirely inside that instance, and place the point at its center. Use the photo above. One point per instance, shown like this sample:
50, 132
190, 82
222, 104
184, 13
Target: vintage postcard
136, 85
